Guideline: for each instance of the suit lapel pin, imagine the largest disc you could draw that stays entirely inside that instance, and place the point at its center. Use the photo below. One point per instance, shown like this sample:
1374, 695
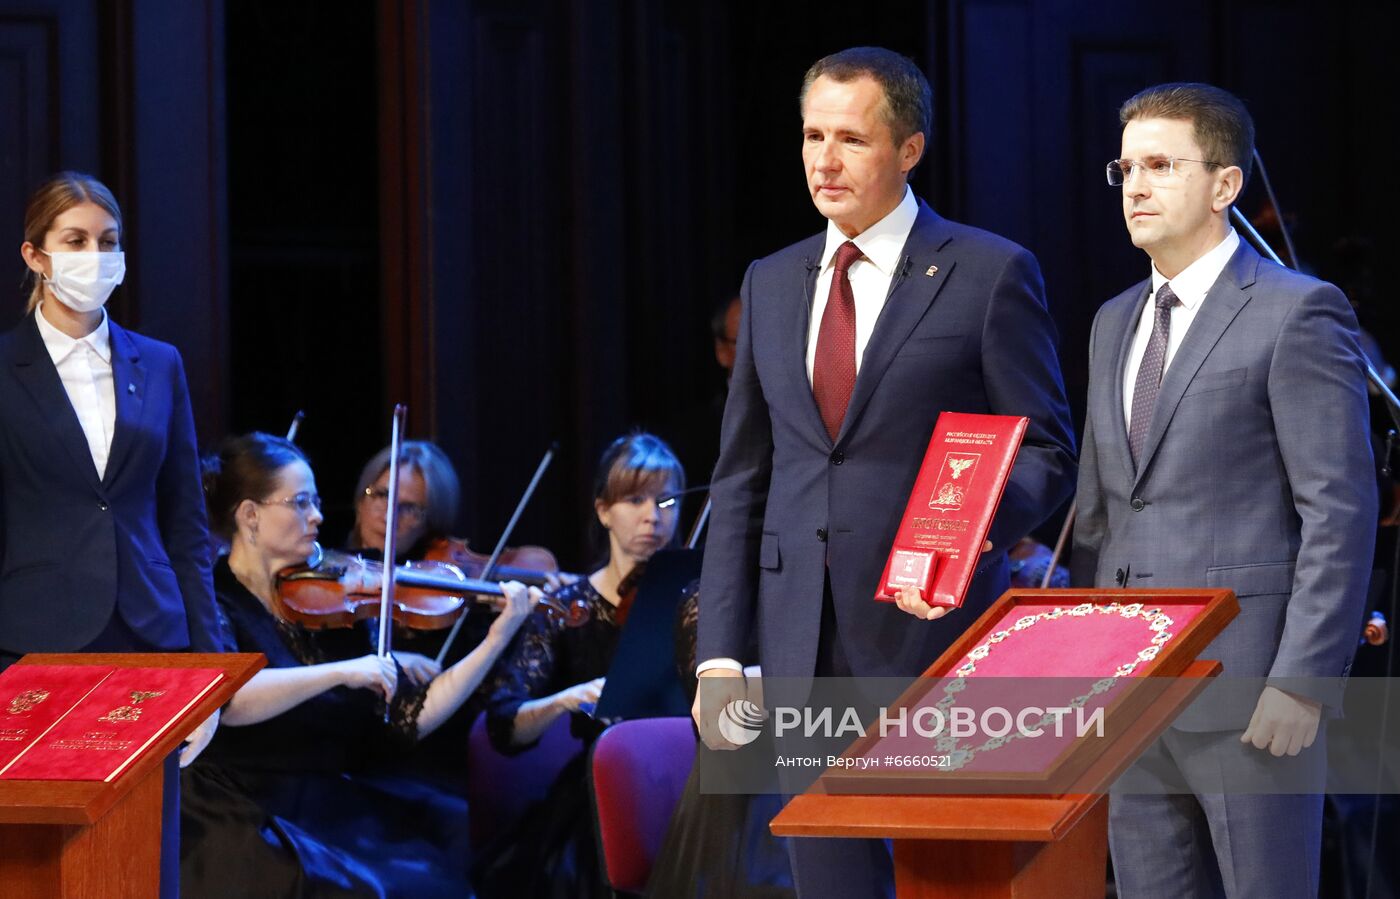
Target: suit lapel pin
932, 270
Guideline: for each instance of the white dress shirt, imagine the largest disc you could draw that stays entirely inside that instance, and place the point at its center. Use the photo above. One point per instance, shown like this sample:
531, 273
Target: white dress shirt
85, 368
1190, 287
882, 245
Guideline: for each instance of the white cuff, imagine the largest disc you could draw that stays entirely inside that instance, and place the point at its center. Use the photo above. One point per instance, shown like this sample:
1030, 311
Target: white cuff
706, 665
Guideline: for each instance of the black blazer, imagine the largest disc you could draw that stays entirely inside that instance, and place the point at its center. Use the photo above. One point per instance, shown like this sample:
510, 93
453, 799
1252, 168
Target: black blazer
76, 549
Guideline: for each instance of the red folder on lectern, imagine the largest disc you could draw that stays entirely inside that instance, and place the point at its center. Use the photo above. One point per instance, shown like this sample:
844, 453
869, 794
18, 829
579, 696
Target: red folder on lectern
33, 699
950, 510
105, 719
98, 834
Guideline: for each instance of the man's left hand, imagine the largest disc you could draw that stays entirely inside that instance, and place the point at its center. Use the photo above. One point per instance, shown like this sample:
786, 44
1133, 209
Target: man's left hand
198, 739
1283, 723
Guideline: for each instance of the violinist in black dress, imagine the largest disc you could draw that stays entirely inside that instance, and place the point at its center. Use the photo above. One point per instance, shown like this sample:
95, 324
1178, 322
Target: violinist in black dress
553, 670
278, 805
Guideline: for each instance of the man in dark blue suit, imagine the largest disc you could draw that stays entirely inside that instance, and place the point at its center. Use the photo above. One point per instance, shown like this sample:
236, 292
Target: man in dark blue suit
850, 345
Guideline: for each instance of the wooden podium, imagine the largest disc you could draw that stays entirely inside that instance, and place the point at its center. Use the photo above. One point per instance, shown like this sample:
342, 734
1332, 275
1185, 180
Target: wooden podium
1026, 846
81, 839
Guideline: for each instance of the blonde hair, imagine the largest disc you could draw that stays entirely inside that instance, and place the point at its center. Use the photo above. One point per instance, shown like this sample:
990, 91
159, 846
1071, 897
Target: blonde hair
53, 198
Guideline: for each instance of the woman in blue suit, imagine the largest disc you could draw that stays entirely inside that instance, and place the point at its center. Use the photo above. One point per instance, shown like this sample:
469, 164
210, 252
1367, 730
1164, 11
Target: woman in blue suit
103, 541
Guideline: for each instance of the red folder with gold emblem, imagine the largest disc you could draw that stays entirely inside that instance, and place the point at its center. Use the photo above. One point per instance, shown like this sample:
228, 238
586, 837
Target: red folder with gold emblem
33, 698
950, 510
113, 724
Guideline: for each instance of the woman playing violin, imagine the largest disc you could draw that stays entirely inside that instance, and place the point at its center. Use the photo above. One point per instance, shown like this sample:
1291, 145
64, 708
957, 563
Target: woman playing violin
429, 492
551, 671
275, 803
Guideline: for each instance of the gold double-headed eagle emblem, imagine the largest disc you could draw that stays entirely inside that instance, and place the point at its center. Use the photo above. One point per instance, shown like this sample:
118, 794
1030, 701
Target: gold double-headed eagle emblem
126, 713
27, 700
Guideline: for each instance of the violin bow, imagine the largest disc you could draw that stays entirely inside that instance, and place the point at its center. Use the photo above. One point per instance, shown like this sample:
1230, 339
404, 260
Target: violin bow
701, 520
391, 520
489, 569
296, 425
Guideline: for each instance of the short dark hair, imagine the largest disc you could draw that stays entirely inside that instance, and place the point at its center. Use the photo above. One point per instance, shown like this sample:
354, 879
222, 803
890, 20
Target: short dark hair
908, 97
720, 314
242, 468
1223, 127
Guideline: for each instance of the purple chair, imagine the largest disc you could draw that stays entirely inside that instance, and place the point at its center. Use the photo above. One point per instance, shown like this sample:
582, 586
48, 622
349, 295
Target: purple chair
500, 787
638, 771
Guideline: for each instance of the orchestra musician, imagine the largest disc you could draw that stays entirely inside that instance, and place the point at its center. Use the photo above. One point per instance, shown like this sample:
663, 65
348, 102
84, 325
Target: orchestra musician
102, 530
275, 805
429, 492
553, 670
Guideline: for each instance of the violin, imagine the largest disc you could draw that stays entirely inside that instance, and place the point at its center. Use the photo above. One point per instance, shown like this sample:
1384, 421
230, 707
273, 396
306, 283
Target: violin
339, 589
531, 565
335, 589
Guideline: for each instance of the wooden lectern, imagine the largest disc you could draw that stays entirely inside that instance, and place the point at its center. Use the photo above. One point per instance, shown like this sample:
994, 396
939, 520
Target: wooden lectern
1027, 845
93, 840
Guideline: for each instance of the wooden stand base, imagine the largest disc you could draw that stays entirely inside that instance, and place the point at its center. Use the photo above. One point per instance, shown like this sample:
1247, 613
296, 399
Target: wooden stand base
1070, 868
83, 839
996, 847
99, 861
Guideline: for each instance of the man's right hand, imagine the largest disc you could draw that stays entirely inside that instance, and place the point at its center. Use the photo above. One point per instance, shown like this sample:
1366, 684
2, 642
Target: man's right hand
717, 688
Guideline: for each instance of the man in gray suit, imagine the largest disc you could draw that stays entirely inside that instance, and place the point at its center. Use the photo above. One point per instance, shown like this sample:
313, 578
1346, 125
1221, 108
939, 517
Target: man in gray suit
1225, 446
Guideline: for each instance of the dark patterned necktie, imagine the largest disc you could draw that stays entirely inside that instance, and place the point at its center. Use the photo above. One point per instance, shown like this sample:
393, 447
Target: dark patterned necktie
834, 367
1149, 376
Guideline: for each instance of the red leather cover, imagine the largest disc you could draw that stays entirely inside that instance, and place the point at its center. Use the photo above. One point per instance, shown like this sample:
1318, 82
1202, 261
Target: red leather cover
951, 507
109, 728
33, 698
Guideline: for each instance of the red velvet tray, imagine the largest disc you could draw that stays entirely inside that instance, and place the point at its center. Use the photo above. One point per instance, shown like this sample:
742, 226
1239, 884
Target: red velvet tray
1099, 649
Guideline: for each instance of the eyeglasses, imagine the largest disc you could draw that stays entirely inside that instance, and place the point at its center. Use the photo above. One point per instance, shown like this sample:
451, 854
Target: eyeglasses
302, 502
379, 497
1157, 169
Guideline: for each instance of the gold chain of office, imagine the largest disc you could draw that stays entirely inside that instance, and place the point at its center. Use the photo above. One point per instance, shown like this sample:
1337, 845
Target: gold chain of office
1157, 622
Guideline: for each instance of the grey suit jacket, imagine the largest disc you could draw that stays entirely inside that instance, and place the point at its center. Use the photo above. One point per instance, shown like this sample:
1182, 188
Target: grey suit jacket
964, 328
1256, 475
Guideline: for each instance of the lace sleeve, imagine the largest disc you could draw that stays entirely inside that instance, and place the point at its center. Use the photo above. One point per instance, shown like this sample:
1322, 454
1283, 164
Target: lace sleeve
527, 672
687, 621
405, 709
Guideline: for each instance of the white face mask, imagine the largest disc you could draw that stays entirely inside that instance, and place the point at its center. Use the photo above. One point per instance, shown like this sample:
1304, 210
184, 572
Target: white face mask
84, 281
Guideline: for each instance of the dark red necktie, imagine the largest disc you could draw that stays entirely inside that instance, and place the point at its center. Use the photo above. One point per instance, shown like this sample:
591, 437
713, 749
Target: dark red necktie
834, 368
